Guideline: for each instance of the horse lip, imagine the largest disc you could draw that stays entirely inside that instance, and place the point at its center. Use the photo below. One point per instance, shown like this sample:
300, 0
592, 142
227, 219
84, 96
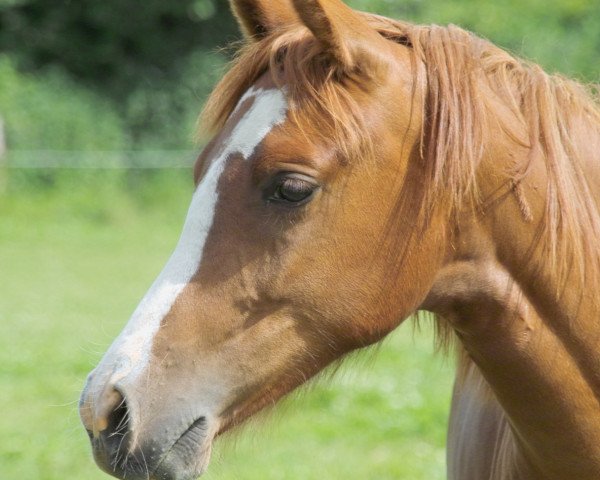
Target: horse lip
196, 434
197, 428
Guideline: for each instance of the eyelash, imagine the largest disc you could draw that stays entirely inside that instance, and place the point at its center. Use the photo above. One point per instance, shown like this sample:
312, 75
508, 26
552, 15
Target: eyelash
291, 189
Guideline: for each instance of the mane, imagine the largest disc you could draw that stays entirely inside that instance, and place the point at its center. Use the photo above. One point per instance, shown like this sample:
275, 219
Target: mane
460, 72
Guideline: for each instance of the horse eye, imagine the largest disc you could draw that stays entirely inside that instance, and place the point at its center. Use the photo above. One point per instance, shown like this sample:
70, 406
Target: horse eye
292, 190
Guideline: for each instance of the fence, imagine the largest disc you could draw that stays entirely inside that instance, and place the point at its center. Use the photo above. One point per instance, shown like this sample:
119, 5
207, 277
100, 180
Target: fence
52, 159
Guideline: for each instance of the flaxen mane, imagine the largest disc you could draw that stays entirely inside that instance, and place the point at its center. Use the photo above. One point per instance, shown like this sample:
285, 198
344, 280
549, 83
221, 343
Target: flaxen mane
456, 74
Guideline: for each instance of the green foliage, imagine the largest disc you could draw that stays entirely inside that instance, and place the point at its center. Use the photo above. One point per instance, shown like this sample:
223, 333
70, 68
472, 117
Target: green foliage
162, 115
113, 45
53, 112
561, 35
49, 113
151, 65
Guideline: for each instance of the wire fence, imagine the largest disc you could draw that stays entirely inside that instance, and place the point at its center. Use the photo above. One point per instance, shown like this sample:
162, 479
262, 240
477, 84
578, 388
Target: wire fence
99, 160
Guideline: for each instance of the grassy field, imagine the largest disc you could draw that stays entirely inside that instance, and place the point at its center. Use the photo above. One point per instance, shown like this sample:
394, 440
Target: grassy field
75, 261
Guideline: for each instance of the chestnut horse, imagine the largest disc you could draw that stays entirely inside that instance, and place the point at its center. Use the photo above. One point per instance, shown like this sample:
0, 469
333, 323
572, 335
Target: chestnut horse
361, 170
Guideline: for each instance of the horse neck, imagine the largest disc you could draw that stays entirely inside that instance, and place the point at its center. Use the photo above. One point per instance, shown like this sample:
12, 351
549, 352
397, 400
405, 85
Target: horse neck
563, 293
532, 330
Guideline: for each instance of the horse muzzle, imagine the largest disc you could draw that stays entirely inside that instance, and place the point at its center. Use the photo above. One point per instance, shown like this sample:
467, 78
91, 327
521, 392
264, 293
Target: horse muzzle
165, 445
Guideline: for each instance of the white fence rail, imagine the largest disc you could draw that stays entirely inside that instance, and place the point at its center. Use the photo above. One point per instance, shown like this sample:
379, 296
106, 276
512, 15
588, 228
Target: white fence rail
51, 159
2, 139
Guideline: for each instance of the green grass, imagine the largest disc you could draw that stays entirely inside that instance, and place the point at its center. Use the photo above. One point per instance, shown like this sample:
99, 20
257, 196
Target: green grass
74, 264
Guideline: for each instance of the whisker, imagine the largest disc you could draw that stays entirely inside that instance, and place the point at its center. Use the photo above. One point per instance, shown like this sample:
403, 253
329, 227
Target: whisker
145, 465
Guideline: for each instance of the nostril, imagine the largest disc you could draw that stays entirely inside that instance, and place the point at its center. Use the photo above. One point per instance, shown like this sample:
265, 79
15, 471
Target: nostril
110, 410
112, 421
118, 419
111, 434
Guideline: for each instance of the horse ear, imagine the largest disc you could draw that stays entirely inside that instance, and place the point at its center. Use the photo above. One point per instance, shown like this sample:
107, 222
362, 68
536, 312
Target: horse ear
258, 18
341, 30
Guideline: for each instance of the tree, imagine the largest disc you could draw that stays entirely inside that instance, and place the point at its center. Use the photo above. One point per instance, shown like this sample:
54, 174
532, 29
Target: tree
113, 45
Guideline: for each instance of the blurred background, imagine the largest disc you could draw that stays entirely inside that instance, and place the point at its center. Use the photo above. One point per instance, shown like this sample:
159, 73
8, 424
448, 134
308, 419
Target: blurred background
98, 101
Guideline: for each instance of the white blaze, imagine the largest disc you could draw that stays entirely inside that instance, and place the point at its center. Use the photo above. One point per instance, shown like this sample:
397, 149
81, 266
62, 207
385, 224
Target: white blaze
130, 352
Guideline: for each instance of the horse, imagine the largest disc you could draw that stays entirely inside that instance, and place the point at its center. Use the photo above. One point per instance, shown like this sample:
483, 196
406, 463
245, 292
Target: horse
362, 170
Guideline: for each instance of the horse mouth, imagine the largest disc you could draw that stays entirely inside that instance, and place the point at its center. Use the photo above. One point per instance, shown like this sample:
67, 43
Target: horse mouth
188, 457
193, 436
185, 459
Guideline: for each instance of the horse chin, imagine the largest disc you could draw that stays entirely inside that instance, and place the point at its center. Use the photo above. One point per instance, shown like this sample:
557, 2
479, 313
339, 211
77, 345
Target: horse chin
188, 457
183, 463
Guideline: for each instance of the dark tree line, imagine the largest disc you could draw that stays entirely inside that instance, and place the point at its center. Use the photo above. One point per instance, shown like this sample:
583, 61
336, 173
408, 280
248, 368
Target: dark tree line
113, 45
148, 63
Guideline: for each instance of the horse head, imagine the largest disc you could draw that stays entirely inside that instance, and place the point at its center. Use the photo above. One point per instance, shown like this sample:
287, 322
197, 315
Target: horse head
289, 254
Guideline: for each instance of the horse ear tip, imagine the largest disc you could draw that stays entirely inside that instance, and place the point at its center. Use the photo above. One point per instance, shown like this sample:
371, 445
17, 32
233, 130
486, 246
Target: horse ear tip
257, 18
334, 23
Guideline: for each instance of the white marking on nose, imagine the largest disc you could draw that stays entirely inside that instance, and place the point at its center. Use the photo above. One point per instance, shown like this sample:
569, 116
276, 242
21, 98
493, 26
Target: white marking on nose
130, 352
